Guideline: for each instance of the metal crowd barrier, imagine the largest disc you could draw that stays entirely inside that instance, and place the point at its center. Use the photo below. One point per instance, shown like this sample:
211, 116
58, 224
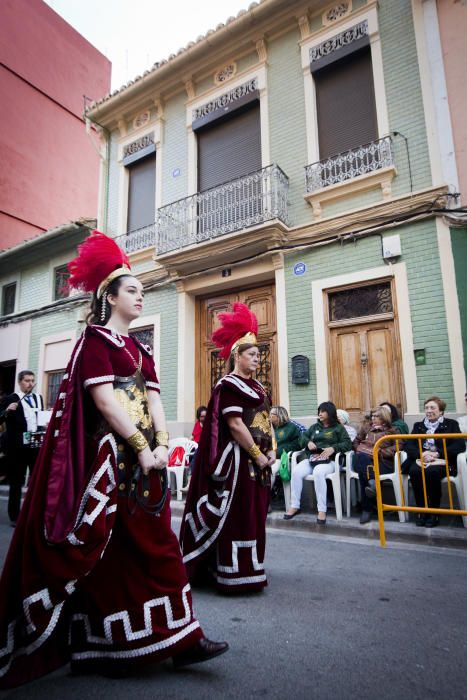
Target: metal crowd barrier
382, 507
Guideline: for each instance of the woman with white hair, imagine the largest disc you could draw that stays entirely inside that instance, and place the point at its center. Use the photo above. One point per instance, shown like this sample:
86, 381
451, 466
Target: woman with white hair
344, 419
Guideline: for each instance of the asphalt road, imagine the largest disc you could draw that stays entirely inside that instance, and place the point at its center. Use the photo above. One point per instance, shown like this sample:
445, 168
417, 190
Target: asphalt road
341, 618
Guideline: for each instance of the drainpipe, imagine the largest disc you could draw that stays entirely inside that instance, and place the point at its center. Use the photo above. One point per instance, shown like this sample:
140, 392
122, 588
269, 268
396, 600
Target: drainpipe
106, 159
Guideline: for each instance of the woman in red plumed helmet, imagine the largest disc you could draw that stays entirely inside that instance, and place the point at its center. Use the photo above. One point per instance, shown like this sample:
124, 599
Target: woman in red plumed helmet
223, 532
94, 573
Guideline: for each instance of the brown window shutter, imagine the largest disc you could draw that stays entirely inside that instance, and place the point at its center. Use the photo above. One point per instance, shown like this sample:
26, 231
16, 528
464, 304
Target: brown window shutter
142, 193
345, 99
229, 148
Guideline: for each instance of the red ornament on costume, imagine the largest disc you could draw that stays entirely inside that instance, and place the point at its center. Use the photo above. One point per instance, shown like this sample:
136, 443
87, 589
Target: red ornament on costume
98, 256
235, 325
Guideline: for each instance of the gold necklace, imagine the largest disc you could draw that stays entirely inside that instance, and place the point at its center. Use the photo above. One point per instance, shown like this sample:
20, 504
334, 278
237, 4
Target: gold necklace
138, 364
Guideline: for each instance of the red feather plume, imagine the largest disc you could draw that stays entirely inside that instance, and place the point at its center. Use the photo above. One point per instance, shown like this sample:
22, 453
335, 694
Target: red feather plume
97, 257
234, 325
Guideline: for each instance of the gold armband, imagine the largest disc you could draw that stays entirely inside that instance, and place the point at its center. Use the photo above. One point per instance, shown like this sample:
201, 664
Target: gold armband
137, 441
274, 444
162, 438
254, 451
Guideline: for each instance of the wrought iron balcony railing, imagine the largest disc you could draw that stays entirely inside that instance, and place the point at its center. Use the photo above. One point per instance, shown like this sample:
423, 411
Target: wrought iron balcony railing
235, 205
138, 240
372, 156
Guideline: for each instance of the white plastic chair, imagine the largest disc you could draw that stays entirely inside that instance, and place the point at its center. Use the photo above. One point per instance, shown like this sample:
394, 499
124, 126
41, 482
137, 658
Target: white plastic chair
334, 478
460, 483
393, 477
190, 447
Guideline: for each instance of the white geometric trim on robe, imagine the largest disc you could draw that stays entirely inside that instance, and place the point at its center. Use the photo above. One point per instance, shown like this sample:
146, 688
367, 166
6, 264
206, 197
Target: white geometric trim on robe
106, 378
153, 385
123, 617
240, 384
231, 409
92, 492
43, 597
234, 569
110, 335
244, 580
142, 651
229, 496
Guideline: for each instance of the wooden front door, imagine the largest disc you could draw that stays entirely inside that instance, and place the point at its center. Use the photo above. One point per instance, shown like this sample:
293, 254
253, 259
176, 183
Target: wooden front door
364, 359
261, 301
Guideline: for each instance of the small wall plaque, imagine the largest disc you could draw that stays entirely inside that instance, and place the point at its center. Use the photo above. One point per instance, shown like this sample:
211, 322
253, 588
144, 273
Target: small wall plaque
300, 369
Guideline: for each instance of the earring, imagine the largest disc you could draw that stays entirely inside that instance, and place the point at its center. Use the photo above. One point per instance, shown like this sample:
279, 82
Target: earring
103, 302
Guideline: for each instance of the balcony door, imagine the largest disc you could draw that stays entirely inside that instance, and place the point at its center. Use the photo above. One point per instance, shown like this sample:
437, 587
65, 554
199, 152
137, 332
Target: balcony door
261, 300
364, 359
229, 149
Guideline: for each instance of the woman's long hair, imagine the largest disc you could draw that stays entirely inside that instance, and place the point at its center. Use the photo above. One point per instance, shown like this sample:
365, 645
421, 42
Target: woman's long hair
95, 315
282, 415
331, 410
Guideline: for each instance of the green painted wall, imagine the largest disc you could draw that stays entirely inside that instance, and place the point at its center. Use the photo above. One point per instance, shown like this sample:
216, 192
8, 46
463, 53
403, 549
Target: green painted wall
174, 150
287, 119
164, 301
420, 253
459, 251
403, 93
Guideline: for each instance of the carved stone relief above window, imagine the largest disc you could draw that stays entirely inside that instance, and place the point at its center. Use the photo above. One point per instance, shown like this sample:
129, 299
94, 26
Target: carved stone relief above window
138, 145
339, 41
226, 99
335, 13
225, 74
141, 119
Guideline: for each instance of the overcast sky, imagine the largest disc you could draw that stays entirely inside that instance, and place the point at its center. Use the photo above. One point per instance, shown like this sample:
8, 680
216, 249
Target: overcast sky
134, 34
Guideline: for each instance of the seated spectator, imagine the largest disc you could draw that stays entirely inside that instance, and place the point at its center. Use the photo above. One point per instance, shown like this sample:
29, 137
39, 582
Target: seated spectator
287, 435
398, 424
198, 426
321, 441
344, 419
362, 461
433, 458
286, 431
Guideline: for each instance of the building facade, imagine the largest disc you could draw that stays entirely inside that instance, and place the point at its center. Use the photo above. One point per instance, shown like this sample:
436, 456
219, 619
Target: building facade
50, 168
287, 160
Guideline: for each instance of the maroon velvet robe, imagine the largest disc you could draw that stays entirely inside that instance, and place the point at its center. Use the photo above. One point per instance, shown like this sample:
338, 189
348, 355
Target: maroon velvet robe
223, 533
89, 576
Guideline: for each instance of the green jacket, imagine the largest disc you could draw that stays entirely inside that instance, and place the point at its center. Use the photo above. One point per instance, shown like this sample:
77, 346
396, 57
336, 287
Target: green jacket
288, 438
401, 427
334, 436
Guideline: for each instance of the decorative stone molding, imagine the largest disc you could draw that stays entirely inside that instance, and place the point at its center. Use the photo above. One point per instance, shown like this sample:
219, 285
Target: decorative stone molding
379, 178
333, 14
226, 99
225, 73
159, 108
141, 119
304, 26
261, 50
190, 89
122, 127
138, 145
278, 261
358, 31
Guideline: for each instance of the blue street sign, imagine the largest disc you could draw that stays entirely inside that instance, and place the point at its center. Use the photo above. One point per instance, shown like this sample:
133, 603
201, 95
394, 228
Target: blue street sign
299, 269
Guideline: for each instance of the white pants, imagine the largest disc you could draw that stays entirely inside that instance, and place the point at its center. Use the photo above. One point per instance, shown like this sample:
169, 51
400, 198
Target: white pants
320, 471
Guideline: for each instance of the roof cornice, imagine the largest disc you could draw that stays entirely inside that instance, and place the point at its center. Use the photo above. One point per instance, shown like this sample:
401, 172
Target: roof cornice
248, 26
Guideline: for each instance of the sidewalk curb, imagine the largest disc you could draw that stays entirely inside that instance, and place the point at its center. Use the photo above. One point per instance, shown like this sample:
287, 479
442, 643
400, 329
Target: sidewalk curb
407, 533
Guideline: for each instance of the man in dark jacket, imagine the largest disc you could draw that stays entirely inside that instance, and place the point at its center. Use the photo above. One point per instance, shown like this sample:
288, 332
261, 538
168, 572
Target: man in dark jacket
19, 412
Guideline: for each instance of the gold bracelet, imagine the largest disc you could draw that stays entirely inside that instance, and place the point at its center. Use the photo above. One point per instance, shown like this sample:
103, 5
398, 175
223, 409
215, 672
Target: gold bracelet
137, 441
254, 451
274, 444
162, 438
